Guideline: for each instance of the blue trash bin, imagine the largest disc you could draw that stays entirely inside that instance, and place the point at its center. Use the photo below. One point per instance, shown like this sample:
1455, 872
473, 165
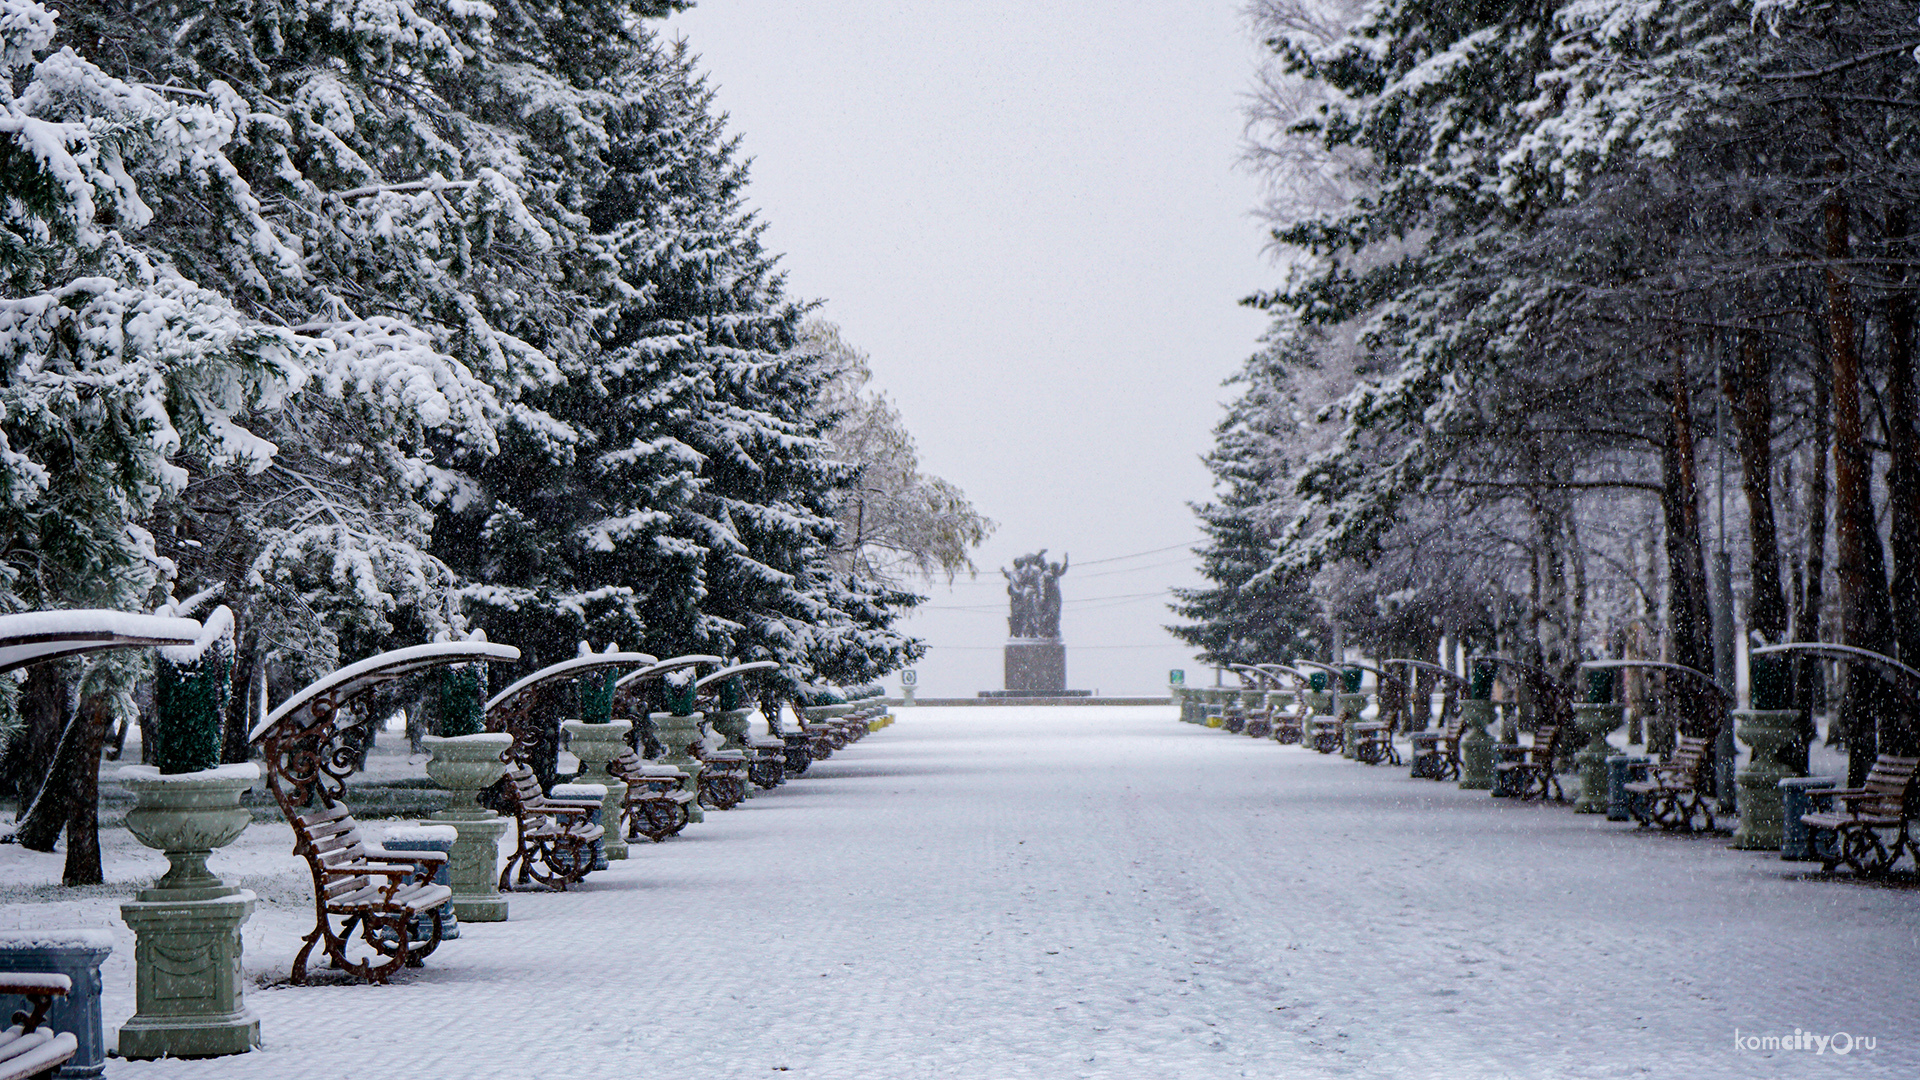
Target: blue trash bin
438, 838
1797, 797
77, 954
1624, 769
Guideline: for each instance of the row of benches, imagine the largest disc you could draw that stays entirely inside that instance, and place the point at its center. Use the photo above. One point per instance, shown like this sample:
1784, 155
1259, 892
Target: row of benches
1867, 828
377, 910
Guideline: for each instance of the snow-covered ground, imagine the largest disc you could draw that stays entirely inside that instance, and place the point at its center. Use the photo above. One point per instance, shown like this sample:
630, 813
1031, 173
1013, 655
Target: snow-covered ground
1099, 892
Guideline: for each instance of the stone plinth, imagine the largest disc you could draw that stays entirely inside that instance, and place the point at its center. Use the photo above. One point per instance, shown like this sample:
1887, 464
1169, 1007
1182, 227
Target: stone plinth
1762, 813
1036, 665
187, 978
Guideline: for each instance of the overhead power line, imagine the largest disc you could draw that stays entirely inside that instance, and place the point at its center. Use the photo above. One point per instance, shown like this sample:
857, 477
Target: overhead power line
996, 608
1138, 554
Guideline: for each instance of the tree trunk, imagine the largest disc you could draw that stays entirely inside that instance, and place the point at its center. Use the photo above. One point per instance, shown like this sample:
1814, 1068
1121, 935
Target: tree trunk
243, 705
43, 702
40, 826
1897, 729
1859, 565
83, 818
1809, 677
1750, 394
1689, 623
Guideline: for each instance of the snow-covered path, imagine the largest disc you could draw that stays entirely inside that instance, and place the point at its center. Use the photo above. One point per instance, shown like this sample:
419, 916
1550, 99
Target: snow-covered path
1063, 892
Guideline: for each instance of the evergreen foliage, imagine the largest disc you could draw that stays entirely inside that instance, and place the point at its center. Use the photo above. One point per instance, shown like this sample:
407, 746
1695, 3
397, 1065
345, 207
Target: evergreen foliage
1252, 614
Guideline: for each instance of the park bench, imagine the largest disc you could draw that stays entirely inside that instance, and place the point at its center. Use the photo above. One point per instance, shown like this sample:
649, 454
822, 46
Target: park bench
1373, 739
1323, 732
1676, 792
553, 839
655, 805
1436, 753
364, 897
799, 748
723, 777
1286, 726
1373, 743
1528, 770
28, 1049
726, 771
767, 765
765, 756
1884, 802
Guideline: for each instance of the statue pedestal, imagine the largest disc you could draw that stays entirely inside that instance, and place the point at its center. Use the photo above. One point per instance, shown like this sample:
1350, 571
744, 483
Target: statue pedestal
1036, 665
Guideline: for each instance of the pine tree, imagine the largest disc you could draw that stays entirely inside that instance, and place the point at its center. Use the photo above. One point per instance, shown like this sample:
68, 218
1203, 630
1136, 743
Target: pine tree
1253, 613
693, 510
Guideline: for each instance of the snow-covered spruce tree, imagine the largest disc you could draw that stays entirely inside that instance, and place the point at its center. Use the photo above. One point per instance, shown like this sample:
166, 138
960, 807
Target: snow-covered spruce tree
692, 511
426, 164
116, 364
761, 510
1252, 613
115, 369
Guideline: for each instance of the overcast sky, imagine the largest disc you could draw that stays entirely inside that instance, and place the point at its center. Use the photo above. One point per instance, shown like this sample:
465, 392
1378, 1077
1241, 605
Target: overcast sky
1029, 215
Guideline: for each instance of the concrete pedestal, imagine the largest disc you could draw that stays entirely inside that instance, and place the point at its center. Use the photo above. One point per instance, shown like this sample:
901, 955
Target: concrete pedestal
597, 746
1595, 721
677, 736
1766, 732
188, 983
1036, 664
77, 954
1476, 746
473, 866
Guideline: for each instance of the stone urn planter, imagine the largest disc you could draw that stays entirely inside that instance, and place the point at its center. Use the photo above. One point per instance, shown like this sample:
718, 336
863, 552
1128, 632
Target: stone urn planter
598, 746
187, 953
1477, 746
188, 816
1762, 813
1595, 720
732, 726
188, 989
677, 734
466, 765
